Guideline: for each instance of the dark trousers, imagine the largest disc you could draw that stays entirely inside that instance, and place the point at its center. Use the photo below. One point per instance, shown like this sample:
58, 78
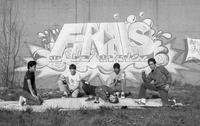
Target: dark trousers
30, 99
101, 93
163, 93
89, 89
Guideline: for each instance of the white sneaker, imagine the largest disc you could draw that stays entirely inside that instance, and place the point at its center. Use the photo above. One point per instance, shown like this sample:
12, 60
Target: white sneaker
141, 101
22, 101
118, 94
65, 95
123, 95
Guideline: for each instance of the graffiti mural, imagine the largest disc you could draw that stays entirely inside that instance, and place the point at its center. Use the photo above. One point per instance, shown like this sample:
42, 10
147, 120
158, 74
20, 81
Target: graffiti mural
193, 50
48, 38
95, 47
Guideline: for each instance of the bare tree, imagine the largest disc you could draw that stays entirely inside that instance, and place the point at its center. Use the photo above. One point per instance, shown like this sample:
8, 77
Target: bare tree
10, 41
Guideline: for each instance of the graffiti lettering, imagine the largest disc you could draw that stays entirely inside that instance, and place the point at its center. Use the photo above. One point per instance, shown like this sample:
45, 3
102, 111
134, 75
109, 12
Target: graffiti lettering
94, 47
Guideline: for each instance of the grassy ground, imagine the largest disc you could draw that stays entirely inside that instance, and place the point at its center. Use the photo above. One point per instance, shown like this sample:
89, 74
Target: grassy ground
187, 115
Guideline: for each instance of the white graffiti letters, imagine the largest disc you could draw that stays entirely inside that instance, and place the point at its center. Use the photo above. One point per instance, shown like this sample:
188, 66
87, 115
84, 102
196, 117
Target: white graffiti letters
95, 47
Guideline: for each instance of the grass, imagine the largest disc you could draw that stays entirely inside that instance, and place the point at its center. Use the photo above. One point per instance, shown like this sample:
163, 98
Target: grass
187, 115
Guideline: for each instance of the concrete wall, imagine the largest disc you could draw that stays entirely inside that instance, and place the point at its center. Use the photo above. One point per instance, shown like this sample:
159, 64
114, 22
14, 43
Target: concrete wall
178, 17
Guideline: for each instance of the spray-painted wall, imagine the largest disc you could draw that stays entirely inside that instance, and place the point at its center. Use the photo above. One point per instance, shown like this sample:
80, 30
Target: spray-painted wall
93, 34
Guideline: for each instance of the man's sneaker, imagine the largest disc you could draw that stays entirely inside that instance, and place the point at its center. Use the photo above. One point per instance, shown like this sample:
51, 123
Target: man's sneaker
141, 101
22, 101
90, 99
172, 103
123, 95
117, 94
96, 102
65, 95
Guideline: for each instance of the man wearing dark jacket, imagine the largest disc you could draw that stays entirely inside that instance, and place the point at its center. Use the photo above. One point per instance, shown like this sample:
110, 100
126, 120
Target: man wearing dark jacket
161, 81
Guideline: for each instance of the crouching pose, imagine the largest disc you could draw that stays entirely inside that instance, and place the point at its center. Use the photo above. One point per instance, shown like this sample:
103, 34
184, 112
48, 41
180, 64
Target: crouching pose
69, 83
117, 80
161, 81
29, 93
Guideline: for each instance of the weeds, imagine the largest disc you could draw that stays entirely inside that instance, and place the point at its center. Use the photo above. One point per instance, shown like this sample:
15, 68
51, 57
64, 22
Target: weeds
106, 116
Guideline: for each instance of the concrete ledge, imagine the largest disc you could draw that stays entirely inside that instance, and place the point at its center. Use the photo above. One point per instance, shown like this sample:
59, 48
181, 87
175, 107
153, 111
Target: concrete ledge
79, 103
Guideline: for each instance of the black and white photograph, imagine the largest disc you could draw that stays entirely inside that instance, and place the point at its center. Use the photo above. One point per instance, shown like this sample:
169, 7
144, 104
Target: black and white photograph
99, 62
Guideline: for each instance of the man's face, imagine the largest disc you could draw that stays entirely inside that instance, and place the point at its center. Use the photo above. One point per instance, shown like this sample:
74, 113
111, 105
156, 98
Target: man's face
116, 70
113, 98
72, 71
152, 65
33, 68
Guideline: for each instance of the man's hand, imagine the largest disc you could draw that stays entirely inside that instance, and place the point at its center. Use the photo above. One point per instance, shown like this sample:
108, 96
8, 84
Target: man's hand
167, 87
86, 82
35, 96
